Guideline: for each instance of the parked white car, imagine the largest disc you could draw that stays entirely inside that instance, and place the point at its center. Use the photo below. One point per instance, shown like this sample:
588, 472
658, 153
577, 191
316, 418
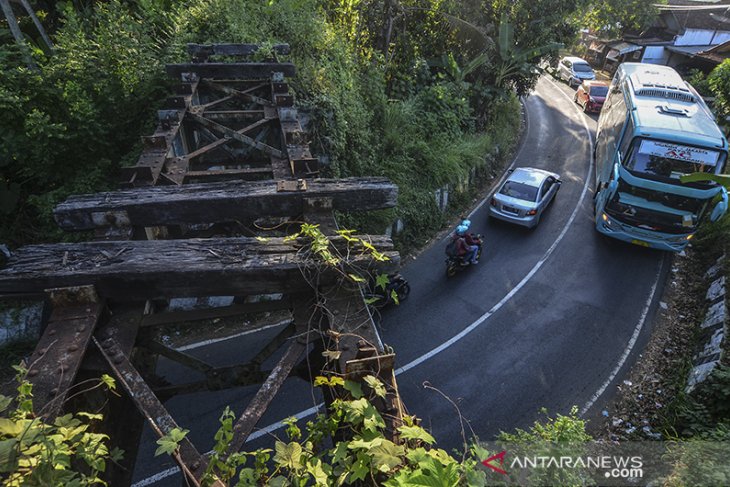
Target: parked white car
574, 70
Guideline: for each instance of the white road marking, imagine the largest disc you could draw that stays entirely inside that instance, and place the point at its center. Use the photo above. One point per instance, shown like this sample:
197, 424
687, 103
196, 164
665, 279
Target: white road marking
211, 341
629, 346
166, 473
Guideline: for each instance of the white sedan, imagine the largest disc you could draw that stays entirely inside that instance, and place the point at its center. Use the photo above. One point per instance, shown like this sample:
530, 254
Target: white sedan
524, 195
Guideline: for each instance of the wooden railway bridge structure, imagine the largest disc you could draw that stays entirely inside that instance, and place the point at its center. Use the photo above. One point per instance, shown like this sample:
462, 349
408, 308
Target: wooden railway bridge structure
225, 177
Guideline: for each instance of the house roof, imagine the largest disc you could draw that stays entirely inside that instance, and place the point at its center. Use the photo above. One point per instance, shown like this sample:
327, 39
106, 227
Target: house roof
716, 54
694, 18
688, 50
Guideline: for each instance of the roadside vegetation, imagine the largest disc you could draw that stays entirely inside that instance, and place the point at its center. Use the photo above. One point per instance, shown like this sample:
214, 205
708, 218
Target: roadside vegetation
425, 92
422, 91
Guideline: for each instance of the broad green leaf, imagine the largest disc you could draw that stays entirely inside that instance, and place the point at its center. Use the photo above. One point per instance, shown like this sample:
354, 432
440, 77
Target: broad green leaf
354, 388
361, 468
364, 444
91, 416
8, 427
4, 402
8, 455
381, 281
722, 179
278, 481
416, 433
372, 300
386, 456
375, 384
316, 469
109, 382
394, 296
340, 452
356, 278
288, 455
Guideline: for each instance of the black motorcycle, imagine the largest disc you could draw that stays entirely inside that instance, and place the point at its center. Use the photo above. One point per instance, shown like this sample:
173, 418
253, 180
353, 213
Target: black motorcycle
456, 263
382, 294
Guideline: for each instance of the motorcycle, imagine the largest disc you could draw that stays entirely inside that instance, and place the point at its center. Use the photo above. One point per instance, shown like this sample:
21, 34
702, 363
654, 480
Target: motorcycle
395, 290
456, 263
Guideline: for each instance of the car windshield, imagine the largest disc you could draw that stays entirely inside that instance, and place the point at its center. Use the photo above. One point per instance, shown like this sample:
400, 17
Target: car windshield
655, 210
520, 191
599, 90
670, 160
581, 68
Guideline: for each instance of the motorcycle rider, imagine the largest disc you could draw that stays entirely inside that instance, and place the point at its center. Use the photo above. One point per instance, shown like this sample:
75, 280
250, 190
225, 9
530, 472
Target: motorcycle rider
465, 250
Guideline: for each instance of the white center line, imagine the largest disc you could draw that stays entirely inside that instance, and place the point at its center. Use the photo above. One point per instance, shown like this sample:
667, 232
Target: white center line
171, 471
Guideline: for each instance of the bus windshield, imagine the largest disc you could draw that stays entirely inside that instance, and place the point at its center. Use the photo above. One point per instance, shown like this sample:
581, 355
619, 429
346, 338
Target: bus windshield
655, 210
670, 160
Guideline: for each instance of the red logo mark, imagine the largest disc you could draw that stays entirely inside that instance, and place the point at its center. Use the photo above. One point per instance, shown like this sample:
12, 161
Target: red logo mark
499, 456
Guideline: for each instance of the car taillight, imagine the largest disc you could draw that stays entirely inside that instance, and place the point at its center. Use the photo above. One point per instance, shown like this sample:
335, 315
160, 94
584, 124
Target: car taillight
493, 202
532, 212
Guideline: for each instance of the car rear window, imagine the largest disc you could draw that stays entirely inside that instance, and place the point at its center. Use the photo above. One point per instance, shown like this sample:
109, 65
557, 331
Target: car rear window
519, 190
599, 90
583, 68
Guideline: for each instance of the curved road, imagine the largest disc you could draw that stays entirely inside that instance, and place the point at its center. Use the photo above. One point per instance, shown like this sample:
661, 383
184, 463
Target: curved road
551, 317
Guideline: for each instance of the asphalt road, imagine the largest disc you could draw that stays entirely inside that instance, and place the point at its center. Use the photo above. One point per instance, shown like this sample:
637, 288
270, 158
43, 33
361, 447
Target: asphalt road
551, 317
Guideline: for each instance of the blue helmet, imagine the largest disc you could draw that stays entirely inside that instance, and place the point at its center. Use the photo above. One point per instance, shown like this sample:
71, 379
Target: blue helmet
461, 229
466, 223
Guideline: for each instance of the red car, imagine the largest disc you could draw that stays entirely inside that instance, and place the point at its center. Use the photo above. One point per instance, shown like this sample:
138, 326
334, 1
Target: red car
591, 95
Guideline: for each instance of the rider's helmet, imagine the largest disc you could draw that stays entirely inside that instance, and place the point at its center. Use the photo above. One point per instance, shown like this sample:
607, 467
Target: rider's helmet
466, 223
461, 229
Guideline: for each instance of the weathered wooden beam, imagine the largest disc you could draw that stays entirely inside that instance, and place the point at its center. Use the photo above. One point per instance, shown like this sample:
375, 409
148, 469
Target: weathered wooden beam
203, 51
191, 462
247, 174
232, 70
235, 134
159, 269
219, 202
60, 350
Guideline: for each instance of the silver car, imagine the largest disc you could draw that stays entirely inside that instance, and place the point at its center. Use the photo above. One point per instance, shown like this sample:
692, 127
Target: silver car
524, 195
575, 70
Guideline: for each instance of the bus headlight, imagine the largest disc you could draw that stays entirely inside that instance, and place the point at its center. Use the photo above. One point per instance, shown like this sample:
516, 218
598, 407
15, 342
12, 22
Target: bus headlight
605, 218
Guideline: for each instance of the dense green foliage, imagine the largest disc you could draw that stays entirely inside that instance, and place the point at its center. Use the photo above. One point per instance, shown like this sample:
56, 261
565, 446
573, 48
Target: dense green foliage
387, 88
613, 18
362, 455
64, 453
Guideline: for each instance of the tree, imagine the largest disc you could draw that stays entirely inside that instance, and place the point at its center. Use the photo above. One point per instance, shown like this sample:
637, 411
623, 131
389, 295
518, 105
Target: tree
719, 84
613, 18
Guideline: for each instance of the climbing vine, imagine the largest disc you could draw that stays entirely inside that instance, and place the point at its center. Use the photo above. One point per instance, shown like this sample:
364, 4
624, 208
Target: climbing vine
361, 454
64, 452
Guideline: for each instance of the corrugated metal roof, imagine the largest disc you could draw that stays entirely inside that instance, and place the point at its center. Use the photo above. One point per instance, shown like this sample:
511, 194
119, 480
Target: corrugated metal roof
688, 50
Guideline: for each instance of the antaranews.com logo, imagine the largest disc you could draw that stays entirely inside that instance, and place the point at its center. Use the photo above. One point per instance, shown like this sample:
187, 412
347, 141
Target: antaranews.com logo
611, 467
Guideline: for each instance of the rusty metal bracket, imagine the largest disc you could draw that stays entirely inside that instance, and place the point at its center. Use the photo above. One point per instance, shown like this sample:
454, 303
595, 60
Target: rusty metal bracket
191, 462
59, 352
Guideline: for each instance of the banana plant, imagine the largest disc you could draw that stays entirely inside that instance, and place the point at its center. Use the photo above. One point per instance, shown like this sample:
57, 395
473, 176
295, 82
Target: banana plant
509, 61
